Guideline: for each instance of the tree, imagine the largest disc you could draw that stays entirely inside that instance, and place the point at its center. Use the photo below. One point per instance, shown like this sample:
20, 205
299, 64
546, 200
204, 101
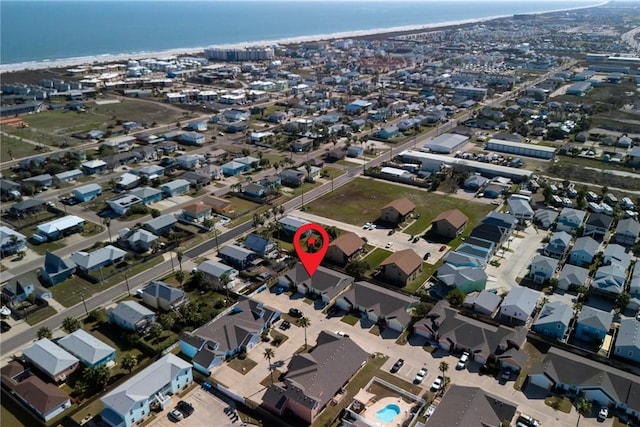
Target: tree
107, 223
224, 281
444, 367
180, 277
44, 332
70, 324
155, 213
357, 268
96, 377
583, 407
269, 354
180, 256
129, 361
456, 297
167, 320
155, 331
547, 193
622, 300
332, 231
305, 322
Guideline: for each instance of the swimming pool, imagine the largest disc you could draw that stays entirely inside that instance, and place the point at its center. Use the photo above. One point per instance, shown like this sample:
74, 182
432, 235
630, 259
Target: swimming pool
388, 413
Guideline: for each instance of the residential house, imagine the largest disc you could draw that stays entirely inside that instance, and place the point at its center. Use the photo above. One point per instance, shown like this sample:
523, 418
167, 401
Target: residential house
148, 195
161, 296
237, 256
493, 191
401, 267
609, 280
196, 212
131, 316
519, 304
87, 348
61, 227
483, 302
397, 211
292, 177
601, 384
11, 189
93, 167
388, 132
175, 188
11, 241
122, 203
475, 182
258, 244
290, 224
27, 208
344, 248
188, 161
45, 399
634, 157
87, 192
572, 277
56, 269
520, 209
593, 324
583, 252
103, 257
192, 138
197, 179
570, 219
237, 330
152, 171
463, 406
53, 361
218, 205
355, 151
256, 191
42, 181
161, 225
215, 271
553, 320
18, 291
233, 168
616, 254
627, 232
325, 283
627, 344
141, 240
545, 218
378, 304
119, 144
449, 223
558, 244
597, 225
313, 379
127, 181
131, 403
542, 268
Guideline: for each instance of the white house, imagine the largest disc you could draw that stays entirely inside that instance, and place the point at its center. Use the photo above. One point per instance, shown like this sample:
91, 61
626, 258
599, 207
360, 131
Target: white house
519, 304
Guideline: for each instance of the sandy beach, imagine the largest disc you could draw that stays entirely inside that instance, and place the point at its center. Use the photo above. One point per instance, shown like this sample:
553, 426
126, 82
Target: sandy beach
111, 58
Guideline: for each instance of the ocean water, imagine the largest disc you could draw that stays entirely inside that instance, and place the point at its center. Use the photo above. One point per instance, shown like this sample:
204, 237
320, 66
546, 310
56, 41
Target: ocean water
54, 30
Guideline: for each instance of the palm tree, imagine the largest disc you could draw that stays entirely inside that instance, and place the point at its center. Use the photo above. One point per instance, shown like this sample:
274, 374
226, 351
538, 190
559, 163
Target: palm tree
305, 322
583, 407
444, 367
268, 354
224, 280
107, 223
180, 255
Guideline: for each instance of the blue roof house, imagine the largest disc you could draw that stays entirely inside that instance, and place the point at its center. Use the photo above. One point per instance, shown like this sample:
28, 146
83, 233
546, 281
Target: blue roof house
553, 320
148, 195
56, 269
93, 167
87, 192
542, 268
131, 316
237, 256
628, 342
570, 219
609, 280
160, 225
593, 324
214, 271
355, 151
233, 168
91, 261
175, 188
583, 251
558, 244
87, 348
11, 241
388, 132
259, 244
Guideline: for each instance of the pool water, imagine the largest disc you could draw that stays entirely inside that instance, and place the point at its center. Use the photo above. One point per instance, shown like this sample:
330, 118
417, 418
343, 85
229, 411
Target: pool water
388, 413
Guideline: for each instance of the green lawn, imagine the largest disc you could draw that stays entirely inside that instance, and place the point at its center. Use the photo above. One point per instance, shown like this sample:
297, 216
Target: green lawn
375, 257
43, 248
350, 319
16, 148
66, 122
242, 366
40, 315
562, 404
360, 202
427, 271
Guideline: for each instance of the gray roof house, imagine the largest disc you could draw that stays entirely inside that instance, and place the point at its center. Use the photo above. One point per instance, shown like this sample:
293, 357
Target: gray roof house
570, 219
237, 256
313, 379
141, 240
597, 225
584, 250
542, 268
616, 254
520, 208
483, 302
160, 225
50, 359
214, 271
161, 296
519, 304
325, 283
132, 316
593, 324
572, 276
558, 244
56, 269
89, 349
609, 280
544, 218
554, 319
627, 344
378, 303
90, 261
627, 232
463, 406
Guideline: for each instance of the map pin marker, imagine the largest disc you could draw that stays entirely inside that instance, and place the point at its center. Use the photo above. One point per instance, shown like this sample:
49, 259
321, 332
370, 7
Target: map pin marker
311, 260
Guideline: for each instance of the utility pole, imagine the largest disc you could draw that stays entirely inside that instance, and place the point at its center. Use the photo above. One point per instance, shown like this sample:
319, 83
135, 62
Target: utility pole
126, 280
85, 304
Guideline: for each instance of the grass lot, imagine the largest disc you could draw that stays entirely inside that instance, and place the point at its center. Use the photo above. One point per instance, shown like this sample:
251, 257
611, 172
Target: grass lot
350, 319
306, 187
375, 257
40, 315
139, 111
16, 147
242, 366
427, 271
562, 404
360, 202
332, 172
66, 122
70, 292
43, 248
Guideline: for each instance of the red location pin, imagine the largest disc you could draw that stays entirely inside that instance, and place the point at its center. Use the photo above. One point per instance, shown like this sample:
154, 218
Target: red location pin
311, 259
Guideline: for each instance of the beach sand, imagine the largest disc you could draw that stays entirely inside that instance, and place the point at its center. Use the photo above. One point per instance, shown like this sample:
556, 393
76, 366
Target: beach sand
369, 34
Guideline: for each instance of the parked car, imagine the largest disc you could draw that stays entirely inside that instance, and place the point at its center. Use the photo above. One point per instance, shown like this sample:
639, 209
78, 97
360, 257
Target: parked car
603, 413
463, 361
422, 373
4, 326
396, 366
186, 408
388, 245
391, 232
527, 420
430, 410
294, 312
342, 334
285, 325
426, 256
176, 415
437, 383
506, 375
443, 248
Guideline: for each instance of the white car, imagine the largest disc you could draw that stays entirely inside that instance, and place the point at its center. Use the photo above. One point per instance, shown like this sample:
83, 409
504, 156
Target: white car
176, 415
388, 245
463, 361
342, 334
437, 383
422, 373
430, 410
603, 414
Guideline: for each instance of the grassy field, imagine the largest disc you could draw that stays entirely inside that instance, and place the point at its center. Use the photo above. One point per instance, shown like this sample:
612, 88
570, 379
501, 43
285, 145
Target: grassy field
427, 271
40, 315
360, 202
16, 148
66, 122
375, 257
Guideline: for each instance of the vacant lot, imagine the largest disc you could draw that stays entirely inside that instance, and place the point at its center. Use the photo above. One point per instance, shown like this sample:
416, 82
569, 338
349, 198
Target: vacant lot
139, 111
360, 202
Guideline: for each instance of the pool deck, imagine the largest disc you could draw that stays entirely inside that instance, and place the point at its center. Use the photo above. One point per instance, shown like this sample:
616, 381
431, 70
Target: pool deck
370, 413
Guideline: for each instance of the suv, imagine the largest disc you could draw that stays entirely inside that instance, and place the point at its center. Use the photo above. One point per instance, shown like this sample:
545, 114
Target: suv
396, 366
185, 407
463, 361
437, 383
294, 312
420, 376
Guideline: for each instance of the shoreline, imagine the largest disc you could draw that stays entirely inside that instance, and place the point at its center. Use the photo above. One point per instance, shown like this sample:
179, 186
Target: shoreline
116, 57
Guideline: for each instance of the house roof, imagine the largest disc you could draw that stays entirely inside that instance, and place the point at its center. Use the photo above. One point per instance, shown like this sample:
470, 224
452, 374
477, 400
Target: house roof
27, 204
471, 407
348, 243
586, 244
312, 379
161, 222
197, 208
161, 290
142, 236
293, 221
403, 206
617, 254
487, 300
381, 301
215, 269
49, 357
60, 224
406, 260
519, 207
86, 260
144, 384
454, 217
43, 397
573, 275
554, 312
324, 280
257, 243
595, 318
144, 192
560, 238
456, 276
176, 184
85, 346
216, 202
629, 334
545, 217
545, 262
628, 227
55, 264
571, 215
236, 252
89, 188
131, 311
599, 220
524, 299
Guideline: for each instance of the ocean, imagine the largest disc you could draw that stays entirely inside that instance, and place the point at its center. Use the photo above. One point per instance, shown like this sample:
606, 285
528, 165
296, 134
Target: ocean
36, 31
